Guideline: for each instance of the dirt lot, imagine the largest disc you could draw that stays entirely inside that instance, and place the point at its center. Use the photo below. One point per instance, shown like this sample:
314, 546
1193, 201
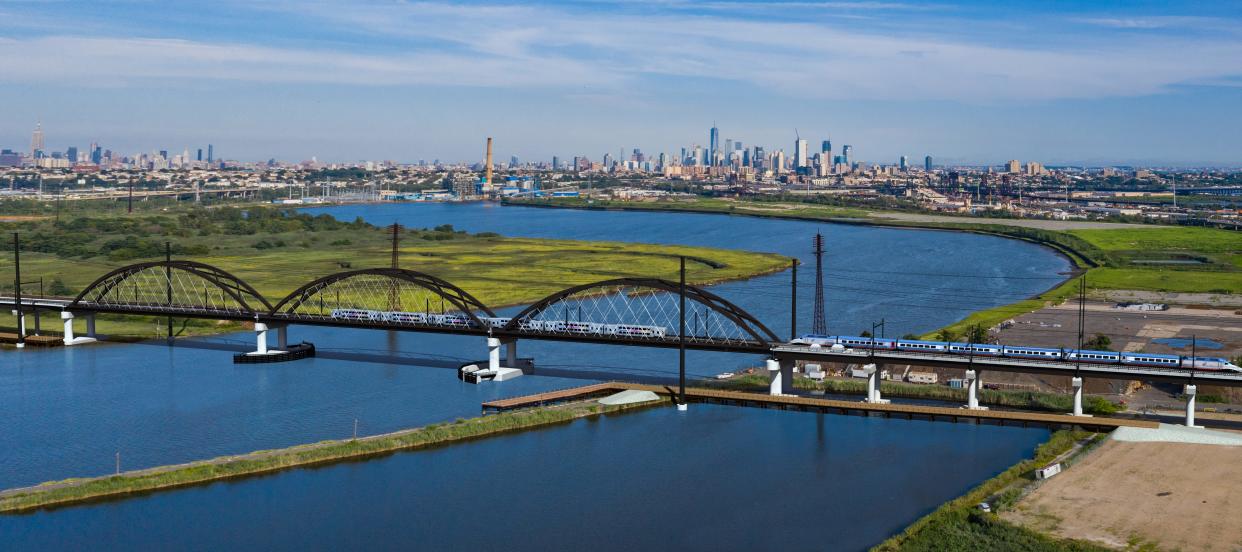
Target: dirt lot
1179, 496
1129, 331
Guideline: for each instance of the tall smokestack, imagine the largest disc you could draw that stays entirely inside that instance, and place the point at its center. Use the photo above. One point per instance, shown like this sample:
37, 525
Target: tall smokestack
488, 184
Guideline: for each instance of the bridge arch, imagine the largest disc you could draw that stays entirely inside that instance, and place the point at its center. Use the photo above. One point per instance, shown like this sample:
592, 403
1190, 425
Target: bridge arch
651, 305
156, 286
380, 289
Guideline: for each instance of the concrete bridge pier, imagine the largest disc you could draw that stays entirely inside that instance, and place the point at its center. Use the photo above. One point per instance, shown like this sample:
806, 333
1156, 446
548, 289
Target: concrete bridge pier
282, 337
260, 334
90, 325
493, 353
511, 359
21, 327
780, 375
974, 384
873, 384
69, 337
1190, 405
1076, 383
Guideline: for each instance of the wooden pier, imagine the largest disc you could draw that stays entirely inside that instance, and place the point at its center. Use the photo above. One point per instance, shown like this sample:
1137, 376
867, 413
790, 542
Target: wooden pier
813, 404
33, 340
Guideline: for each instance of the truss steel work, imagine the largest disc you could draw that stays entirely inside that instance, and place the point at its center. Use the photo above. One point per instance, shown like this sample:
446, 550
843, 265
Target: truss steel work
182, 288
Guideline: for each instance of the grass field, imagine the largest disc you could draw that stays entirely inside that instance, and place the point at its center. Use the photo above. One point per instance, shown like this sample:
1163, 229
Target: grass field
499, 271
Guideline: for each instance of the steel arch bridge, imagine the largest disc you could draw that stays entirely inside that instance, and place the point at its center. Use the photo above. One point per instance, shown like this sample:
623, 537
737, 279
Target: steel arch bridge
625, 311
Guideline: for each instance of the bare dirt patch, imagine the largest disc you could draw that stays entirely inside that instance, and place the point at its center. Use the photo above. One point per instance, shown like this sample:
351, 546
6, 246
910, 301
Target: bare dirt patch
1178, 496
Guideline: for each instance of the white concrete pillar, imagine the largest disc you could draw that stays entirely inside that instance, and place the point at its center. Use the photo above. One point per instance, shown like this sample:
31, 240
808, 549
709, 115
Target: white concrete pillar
90, 325
282, 337
511, 353
260, 334
1190, 405
493, 353
974, 387
21, 327
1076, 383
774, 376
873, 383
68, 318
787, 377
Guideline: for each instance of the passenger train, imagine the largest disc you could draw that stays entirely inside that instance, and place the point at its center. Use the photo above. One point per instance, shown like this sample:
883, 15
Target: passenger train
463, 321
1009, 351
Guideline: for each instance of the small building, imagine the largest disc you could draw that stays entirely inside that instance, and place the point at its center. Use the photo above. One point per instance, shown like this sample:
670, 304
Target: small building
814, 371
922, 377
1048, 471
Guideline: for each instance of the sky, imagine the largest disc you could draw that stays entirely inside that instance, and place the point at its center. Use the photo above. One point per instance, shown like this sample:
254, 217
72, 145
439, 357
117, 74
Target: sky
971, 82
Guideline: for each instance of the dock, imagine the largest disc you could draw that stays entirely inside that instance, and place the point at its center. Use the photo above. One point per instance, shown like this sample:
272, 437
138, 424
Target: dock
33, 340
813, 404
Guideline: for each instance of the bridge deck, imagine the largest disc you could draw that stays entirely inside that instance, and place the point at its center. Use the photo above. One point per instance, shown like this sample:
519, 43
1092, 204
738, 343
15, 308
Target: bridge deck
790, 402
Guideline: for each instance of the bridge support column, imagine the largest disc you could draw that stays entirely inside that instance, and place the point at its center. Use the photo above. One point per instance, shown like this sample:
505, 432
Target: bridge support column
974, 384
1076, 383
511, 359
774, 376
70, 338
21, 327
260, 334
493, 353
90, 325
873, 384
1190, 405
282, 337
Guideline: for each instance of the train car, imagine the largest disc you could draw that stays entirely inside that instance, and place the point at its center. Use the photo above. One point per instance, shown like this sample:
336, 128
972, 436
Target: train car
815, 339
582, 327
359, 315
924, 346
455, 320
1210, 363
406, 317
1031, 352
1097, 357
636, 331
984, 349
866, 342
496, 322
1149, 359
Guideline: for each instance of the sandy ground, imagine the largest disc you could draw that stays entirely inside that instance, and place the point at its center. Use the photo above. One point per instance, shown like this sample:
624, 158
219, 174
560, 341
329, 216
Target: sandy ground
1129, 331
1026, 223
1179, 496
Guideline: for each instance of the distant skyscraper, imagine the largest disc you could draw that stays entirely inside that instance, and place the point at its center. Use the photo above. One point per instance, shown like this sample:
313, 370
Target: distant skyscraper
737, 146
164, 154
200, 154
846, 150
575, 167
211, 153
905, 163
96, 154
556, 163
513, 160
72, 154
826, 147
745, 158
36, 140
663, 160
713, 142
1013, 167
927, 163
800, 153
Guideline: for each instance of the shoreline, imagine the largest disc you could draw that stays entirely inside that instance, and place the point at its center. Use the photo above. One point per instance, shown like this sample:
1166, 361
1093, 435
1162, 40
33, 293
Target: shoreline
73, 491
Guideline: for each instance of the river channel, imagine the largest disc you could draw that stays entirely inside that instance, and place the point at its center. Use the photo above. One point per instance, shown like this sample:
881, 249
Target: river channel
713, 476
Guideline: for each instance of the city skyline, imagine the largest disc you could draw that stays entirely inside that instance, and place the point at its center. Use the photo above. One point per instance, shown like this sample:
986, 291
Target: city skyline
408, 81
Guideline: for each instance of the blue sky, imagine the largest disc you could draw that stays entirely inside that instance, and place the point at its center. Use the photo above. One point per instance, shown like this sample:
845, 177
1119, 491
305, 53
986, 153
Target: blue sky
964, 81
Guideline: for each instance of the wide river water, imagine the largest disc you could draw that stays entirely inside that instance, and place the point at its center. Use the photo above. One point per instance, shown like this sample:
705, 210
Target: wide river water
715, 477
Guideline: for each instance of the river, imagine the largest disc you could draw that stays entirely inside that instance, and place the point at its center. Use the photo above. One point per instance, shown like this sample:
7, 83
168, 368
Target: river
68, 412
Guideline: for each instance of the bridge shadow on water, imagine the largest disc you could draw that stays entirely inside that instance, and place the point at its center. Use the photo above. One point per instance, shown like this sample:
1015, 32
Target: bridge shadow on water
581, 372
